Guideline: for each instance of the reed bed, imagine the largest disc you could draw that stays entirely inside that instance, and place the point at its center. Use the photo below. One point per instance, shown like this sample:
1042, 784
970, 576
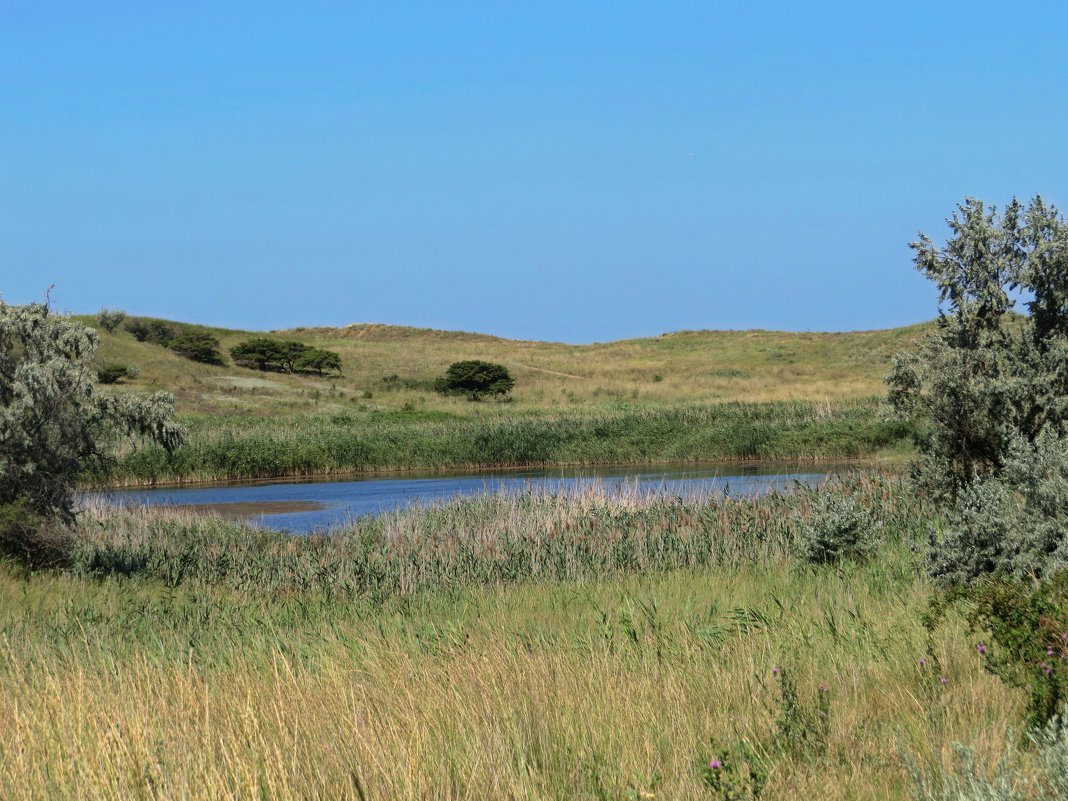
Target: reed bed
241, 448
489, 539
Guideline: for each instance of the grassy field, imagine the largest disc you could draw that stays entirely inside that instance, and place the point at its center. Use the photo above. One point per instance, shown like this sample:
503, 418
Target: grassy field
579, 647
688, 396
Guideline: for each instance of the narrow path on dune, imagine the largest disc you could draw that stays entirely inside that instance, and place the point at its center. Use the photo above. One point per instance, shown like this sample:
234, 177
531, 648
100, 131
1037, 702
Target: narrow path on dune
551, 372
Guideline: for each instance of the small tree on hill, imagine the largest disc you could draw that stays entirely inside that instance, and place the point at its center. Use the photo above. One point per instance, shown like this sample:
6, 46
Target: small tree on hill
289, 352
200, 346
261, 353
110, 320
318, 360
266, 353
476, 379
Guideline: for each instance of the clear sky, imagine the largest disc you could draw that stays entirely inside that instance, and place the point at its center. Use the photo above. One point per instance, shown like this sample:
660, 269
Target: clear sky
573, 170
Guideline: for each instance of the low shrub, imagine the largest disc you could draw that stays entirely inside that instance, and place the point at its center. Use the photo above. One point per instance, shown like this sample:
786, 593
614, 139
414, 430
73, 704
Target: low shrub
158, 332
113, 373
1012, 524
836, 529
33, 539
1028, 643
971, 778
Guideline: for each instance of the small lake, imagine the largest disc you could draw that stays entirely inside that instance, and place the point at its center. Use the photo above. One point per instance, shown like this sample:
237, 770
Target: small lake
305, 506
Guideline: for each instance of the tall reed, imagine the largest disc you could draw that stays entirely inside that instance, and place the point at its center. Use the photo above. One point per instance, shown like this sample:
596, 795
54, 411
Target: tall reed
260, 447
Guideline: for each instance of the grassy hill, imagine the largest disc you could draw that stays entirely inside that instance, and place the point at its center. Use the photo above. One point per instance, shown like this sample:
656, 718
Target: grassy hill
690, 396
393, 367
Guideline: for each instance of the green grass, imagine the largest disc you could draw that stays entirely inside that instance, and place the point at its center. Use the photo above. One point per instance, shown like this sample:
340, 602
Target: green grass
580, 646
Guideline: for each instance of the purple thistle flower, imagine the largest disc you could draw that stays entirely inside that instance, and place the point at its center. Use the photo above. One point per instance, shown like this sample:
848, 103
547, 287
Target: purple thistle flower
943, 680
774, 671
980, 648
923, 663
715, 764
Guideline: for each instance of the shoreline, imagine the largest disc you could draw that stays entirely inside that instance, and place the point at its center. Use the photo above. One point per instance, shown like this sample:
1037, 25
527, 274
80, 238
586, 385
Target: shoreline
329, 476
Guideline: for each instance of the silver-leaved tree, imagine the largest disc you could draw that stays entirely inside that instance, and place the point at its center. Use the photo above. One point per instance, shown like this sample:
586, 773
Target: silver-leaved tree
53, 422
989, 391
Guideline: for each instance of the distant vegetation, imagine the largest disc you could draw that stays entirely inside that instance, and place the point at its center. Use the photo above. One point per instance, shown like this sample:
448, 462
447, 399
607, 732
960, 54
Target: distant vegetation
188, 341
157, 332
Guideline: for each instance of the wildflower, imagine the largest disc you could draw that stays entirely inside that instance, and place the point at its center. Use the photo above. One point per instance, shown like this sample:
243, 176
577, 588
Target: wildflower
980, 648
774, 671
823, 688
715, 764
923, 663
943, 680
1047, 669
1049, 651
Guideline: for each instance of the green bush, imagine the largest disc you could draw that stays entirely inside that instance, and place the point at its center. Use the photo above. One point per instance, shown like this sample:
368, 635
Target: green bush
836, 529
1028, 645
1012, 524
318, 360
158, 332
36, 540
475, 379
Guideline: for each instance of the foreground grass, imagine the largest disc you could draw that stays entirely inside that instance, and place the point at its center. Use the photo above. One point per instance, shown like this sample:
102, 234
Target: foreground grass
592, 690
547, 647
264, 447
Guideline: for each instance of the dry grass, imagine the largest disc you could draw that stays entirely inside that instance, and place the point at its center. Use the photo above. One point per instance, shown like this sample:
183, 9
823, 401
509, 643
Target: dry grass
521, 693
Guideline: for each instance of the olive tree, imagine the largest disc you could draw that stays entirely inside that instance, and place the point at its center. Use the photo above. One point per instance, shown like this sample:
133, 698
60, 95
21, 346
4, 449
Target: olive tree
52, 420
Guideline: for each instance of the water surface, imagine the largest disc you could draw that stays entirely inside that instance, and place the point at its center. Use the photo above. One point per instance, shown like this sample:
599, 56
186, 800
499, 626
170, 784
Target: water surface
305, 506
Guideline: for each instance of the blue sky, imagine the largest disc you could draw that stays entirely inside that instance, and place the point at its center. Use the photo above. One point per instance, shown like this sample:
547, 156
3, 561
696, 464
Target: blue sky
572, 171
